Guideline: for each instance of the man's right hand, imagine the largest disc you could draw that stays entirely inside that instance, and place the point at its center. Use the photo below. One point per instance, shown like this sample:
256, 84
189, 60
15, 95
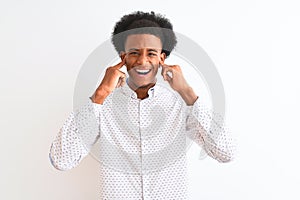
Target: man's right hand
112, 79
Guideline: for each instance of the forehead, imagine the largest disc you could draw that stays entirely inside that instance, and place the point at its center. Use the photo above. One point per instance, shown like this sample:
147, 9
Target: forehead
142, 41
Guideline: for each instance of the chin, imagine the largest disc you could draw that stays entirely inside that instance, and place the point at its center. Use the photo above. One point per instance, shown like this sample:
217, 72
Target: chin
143, 84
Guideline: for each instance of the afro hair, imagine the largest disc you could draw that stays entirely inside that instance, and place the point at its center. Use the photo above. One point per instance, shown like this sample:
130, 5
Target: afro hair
144, 23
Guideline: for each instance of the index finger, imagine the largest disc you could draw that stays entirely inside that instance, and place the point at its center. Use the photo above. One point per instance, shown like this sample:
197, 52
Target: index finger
163, 65
120, 64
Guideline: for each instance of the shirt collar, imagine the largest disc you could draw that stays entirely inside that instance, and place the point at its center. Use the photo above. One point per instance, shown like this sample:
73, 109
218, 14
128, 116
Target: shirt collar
152, 92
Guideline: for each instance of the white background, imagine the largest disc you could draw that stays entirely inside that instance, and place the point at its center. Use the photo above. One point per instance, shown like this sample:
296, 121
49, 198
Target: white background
254, 44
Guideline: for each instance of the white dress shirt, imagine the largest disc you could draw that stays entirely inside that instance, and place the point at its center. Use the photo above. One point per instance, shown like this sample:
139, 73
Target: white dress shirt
141, 144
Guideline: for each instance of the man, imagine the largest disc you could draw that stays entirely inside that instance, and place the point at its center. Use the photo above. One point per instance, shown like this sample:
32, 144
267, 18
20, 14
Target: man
140, 125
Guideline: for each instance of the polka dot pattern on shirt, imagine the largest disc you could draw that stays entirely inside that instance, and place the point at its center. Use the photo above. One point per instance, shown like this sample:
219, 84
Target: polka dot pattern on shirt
141, 144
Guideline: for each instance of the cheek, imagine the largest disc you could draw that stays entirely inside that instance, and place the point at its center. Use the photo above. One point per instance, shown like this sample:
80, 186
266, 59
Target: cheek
128, 64
131, 59
155, 63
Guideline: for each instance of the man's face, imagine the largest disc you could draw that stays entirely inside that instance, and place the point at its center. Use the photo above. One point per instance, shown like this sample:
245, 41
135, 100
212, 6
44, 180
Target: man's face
143, 55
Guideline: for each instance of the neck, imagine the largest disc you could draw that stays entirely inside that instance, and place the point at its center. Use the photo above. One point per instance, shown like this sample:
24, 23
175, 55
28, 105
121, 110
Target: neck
142, 91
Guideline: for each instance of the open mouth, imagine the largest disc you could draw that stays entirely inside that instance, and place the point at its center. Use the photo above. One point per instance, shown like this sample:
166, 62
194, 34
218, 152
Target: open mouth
142, 71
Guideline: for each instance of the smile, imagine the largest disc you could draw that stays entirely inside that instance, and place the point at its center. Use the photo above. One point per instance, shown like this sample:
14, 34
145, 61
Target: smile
142, 71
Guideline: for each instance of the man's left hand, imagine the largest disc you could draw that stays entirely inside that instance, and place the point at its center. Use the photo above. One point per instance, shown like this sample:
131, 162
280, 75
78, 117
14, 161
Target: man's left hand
174, 76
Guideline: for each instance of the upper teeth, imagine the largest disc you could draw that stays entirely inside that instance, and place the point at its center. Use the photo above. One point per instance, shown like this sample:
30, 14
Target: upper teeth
143, 70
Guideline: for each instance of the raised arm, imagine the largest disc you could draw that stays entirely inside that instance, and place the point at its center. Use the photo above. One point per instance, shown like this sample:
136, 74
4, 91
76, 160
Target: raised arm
82, 128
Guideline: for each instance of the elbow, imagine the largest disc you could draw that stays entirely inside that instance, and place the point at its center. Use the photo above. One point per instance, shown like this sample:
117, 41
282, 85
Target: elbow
61, 166
225, 159
221, 156
56, 165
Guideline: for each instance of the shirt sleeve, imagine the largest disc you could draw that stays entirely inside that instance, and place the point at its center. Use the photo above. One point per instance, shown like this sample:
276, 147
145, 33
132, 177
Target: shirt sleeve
76, 137
208, 130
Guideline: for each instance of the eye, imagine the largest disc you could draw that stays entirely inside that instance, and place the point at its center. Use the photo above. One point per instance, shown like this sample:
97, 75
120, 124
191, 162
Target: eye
133, 53
152, 54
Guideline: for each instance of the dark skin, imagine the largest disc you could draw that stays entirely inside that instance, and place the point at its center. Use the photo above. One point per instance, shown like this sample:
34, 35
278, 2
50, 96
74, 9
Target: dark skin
142, 58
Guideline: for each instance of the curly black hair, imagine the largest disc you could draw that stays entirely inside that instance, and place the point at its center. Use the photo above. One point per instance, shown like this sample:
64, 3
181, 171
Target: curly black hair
144, 23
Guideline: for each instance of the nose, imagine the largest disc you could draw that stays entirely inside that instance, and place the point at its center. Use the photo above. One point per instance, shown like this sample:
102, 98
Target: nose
142, 59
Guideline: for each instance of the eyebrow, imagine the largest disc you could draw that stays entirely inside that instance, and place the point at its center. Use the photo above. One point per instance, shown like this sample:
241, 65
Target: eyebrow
135, 49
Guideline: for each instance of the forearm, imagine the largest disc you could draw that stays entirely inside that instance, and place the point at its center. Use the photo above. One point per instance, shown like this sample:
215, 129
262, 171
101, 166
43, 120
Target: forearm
99, 95
188, 95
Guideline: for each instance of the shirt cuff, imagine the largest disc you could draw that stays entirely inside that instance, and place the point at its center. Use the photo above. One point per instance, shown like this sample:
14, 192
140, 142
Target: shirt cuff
97, 107
195, 108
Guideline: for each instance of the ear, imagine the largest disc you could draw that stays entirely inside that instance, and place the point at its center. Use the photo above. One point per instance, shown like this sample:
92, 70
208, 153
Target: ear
162, 57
